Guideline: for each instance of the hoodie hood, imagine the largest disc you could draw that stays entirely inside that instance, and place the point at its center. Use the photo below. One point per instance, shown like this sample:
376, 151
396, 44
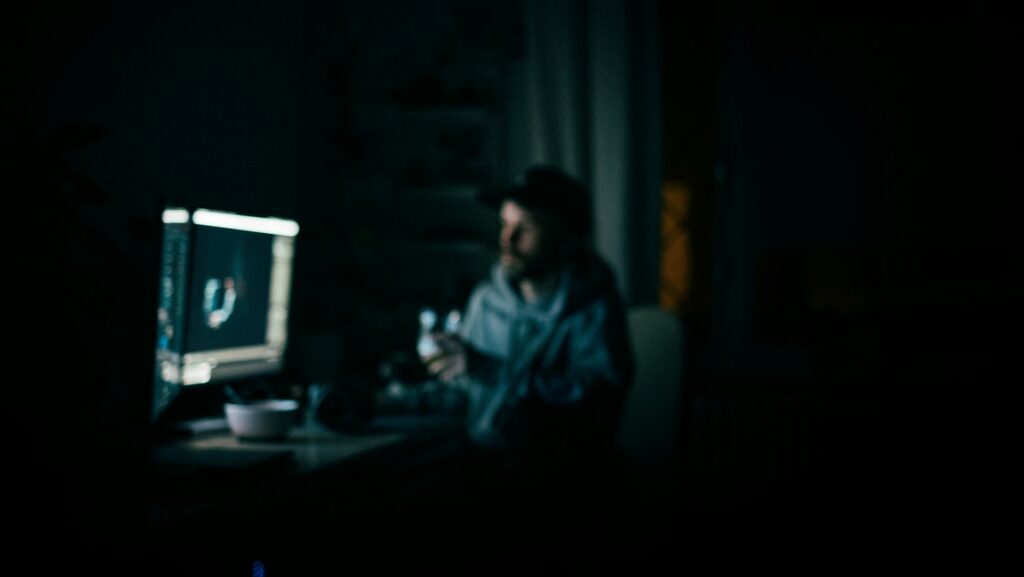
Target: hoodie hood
585, 279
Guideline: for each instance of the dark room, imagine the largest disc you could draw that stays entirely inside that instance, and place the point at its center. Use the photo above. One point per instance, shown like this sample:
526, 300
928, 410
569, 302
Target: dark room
512, 287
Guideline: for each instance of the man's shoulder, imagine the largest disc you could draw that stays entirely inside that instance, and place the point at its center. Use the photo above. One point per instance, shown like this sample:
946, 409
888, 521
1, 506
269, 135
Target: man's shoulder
491, 291
592, 280
489, 285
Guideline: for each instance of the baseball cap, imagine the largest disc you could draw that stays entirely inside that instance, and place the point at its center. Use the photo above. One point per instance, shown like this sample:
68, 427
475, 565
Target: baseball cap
547, 189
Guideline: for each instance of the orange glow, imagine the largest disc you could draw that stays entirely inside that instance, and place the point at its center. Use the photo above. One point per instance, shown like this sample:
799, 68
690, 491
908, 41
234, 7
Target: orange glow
676, 269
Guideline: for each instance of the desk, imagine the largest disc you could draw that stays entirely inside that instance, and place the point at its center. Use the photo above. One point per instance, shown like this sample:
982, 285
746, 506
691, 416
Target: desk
339, 488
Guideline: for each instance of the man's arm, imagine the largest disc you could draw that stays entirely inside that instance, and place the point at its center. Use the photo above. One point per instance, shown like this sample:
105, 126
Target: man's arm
597, 355
458, 358
599, 360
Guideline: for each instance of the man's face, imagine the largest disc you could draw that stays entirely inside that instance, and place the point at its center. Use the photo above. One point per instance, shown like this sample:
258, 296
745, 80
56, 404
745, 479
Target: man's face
528, 242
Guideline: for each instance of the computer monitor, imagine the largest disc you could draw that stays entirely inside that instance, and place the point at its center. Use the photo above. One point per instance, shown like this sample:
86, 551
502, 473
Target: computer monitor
225, 283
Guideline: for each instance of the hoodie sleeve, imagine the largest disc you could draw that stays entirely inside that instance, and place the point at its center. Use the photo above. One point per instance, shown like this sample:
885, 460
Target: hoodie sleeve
596, 358
484, 349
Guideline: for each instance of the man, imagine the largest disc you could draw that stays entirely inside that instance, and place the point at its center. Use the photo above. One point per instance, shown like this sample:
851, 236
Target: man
543, 349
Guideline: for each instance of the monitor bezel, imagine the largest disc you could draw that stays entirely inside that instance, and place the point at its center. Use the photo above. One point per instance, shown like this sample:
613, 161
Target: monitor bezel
184, 369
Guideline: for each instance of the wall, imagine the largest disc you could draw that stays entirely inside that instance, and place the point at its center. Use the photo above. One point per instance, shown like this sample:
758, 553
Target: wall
852, 387
862, 210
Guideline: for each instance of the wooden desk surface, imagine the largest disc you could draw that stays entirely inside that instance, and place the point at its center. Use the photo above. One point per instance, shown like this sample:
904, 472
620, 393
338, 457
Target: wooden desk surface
322, 459
313, 448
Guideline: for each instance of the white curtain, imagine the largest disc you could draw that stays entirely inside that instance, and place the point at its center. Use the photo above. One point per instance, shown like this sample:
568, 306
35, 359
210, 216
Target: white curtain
583, 102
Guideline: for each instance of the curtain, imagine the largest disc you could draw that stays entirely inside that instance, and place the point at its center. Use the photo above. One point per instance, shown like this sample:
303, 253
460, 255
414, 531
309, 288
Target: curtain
586, 100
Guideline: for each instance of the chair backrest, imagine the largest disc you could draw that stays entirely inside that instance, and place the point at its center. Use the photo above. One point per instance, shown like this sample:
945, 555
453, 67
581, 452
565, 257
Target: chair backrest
648, 434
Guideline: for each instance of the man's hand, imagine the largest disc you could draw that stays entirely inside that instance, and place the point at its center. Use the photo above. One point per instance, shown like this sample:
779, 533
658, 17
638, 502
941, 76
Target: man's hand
452, 360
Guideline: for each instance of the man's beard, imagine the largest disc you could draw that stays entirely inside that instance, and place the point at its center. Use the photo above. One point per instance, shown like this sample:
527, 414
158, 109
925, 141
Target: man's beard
519, 268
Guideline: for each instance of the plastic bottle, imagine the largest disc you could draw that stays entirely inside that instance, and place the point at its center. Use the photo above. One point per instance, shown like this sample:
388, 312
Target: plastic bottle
451, 322
425, 345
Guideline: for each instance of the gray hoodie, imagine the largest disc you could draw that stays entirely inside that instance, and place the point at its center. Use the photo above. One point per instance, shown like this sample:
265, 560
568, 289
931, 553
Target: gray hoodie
548, 375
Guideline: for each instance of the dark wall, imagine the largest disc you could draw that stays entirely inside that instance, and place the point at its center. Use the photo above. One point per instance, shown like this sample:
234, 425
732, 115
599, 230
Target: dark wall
854, 208
852, 386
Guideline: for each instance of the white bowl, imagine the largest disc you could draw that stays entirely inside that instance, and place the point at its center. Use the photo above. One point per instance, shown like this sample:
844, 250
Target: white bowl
262, 419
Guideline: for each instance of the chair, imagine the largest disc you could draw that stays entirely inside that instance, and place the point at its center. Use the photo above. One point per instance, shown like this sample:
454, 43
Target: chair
648, 434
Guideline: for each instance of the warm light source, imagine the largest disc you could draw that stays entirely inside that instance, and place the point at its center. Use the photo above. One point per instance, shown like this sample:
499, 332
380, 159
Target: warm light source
676, 256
